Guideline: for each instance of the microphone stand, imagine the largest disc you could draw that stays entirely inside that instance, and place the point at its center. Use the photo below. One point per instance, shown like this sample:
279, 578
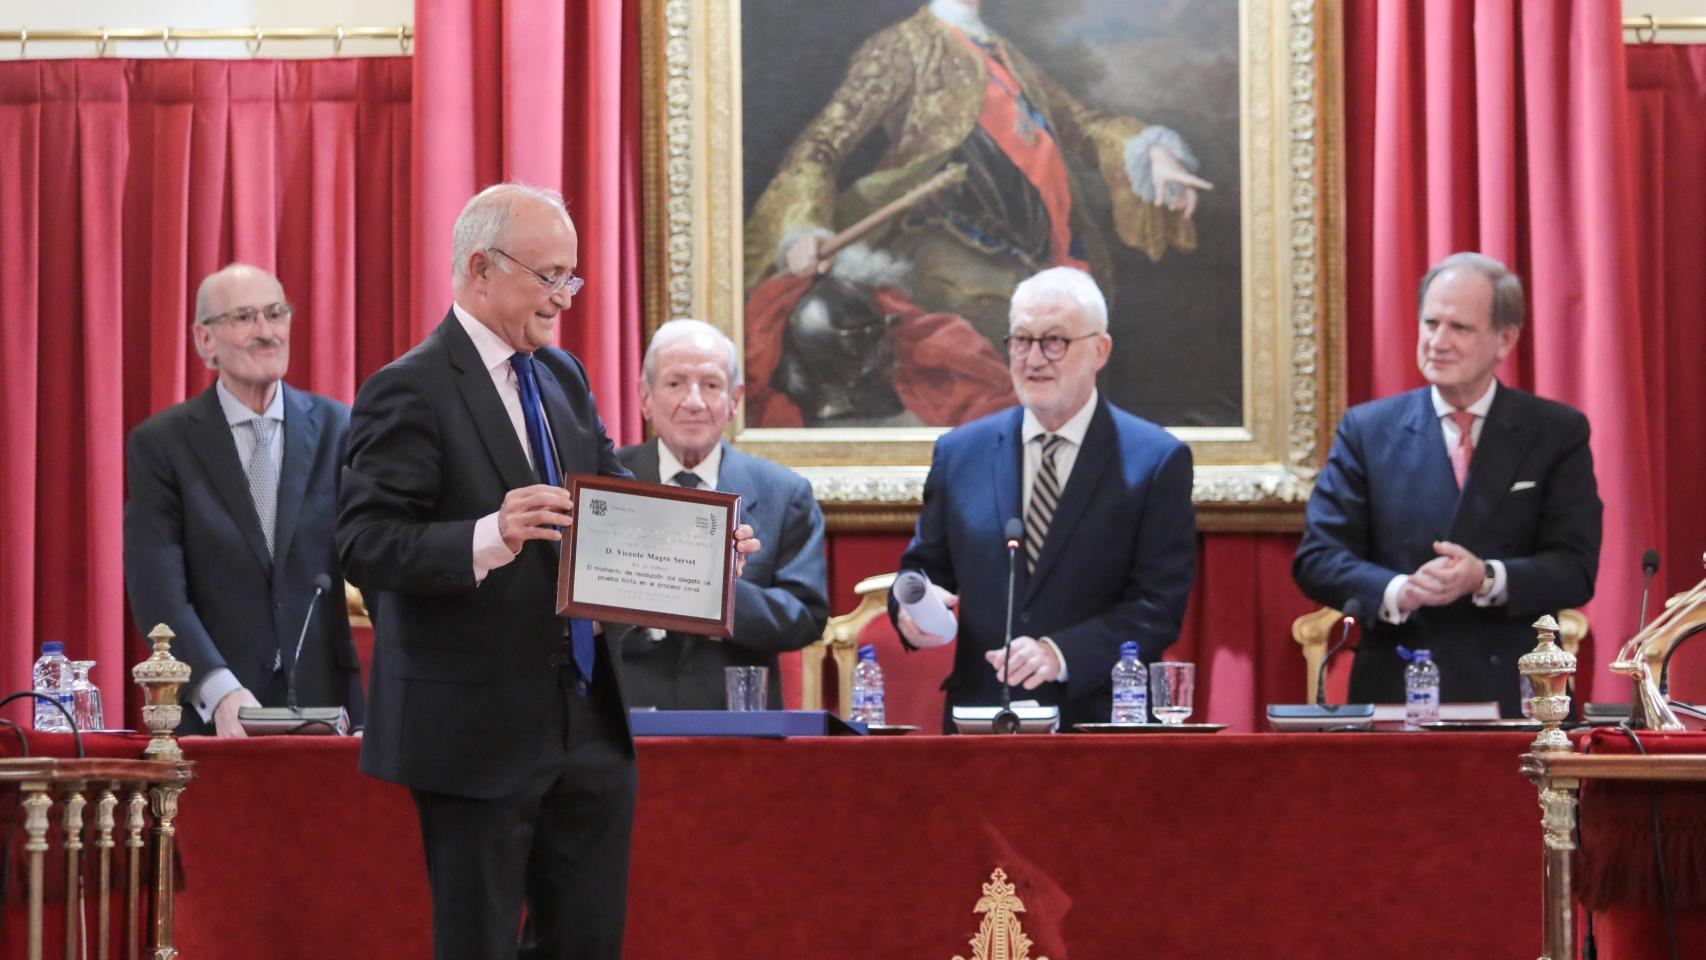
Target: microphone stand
1006, 721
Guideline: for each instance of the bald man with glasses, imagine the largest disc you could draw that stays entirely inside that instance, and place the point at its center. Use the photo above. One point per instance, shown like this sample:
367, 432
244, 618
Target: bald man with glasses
231, 514
1103, 497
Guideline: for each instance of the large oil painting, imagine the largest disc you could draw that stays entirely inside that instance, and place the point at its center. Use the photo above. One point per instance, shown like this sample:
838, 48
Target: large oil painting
852, 191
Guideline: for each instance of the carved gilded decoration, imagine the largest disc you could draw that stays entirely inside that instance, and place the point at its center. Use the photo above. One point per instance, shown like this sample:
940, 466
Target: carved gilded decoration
1256, 475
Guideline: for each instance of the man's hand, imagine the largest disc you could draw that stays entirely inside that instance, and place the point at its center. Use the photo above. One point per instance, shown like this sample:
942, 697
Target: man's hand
1034, 663
1447, 578
745, 543
531, 513
916, 636
1174, 185
225, 722
805, 256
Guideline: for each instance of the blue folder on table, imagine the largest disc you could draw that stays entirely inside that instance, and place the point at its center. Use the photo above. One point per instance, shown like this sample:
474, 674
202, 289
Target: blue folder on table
741, 723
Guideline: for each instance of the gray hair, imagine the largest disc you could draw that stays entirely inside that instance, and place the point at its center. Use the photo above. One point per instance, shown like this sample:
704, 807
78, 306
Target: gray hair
681, 330
486, 217
204, 294
1067, 283
1507, 286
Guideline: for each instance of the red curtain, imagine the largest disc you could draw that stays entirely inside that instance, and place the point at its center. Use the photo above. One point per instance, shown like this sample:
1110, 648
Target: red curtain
1499, 126
1667, 140
547, 92
122, 183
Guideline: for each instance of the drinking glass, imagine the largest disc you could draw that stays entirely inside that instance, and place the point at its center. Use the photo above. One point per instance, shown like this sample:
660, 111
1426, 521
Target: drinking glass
1171, 687
746, 687
85, 697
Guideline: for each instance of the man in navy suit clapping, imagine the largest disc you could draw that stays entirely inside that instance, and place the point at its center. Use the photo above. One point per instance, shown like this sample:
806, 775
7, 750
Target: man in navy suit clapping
1460, 511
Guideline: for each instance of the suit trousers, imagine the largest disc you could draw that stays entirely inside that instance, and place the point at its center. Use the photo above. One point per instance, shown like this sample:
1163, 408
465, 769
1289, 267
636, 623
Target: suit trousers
560, 845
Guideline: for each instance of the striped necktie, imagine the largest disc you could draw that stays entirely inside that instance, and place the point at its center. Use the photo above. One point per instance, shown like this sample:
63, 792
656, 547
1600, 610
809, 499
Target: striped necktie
1045, 497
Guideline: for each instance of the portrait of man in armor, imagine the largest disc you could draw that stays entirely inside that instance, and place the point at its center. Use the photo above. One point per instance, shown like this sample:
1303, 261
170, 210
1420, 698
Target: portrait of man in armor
907, 163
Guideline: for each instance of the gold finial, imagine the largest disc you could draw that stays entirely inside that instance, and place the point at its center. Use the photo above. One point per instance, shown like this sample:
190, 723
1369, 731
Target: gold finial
161, 676
1548, 668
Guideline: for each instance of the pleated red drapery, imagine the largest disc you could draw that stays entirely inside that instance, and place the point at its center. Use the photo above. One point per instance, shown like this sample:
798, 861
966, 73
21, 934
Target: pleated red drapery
1667, 142
122, 183
1499, 125
545, 92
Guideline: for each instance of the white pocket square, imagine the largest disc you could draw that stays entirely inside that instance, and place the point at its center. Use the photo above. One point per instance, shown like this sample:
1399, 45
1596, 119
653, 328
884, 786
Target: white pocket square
1522, 485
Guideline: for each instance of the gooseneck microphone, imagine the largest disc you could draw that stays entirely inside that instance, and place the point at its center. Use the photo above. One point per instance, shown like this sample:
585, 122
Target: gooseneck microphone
322, 583
1649, 566
1353, 614
1006, 721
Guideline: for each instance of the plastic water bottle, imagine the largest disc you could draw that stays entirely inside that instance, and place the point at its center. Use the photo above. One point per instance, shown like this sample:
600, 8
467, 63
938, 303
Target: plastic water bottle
1421, 690
53, 679
1131, 687
868, 688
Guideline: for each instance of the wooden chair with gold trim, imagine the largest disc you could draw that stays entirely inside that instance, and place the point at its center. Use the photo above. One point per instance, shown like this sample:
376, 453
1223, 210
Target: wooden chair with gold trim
1314, 633
840, 641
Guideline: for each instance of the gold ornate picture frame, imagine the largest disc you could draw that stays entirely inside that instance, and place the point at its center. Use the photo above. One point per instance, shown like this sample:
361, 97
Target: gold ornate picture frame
1254, 473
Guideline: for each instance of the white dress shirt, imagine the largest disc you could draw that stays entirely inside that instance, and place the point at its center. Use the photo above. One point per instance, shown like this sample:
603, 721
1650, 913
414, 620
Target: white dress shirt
1495, 596
220, 682
1065, 455
706, 471
490, 551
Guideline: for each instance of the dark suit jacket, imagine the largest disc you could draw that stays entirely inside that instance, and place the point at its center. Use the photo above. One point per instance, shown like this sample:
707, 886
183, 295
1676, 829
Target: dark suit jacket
780, 599
1117, 564
195, 558
461, 673
1387, 493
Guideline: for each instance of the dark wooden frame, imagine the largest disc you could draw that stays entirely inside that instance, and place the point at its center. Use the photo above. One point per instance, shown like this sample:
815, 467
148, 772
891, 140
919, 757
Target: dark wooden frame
567, 606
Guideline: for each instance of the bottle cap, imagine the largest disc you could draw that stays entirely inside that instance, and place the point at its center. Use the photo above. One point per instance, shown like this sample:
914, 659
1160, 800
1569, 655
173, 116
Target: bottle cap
51, 647
868, 652
1128, 649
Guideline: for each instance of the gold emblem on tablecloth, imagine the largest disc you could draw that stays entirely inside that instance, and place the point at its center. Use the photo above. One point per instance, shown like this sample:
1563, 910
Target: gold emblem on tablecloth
1000, 936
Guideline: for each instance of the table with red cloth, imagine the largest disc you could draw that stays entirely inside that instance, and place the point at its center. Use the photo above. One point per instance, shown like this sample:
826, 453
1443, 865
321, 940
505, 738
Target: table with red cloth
1179, 846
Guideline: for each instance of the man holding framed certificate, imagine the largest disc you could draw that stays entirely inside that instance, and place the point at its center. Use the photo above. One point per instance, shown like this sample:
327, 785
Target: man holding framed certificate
505, 720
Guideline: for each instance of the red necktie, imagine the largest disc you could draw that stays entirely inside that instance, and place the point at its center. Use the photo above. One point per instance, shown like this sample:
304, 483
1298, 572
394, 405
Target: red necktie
1465, 444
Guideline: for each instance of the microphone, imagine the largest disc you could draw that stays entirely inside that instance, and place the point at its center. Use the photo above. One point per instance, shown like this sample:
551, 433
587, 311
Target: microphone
1649, 566
292, 718
1602, 713
1353, 613
1006, 721
322, 583
1318, 715
912, 589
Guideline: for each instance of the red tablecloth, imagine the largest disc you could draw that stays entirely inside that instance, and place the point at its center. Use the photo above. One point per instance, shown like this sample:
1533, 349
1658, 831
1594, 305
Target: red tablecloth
1396, 846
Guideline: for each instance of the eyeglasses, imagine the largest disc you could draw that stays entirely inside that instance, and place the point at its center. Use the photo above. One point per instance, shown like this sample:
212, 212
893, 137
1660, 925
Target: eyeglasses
243, 319
1054, 346
561, 283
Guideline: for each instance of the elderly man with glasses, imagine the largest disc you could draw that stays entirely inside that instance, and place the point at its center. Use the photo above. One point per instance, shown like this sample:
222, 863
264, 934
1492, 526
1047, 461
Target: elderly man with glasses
505, 720
228, 528
1107, 550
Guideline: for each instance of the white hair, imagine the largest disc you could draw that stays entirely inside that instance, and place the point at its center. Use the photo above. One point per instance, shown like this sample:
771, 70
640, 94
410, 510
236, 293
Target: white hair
483, 222
1068, 283
681, 330
209, 284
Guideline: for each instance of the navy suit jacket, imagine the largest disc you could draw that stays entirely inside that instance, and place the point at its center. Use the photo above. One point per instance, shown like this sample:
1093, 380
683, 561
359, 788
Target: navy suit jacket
781, 600
1387, 493
195, 558
1117, 564
461, 673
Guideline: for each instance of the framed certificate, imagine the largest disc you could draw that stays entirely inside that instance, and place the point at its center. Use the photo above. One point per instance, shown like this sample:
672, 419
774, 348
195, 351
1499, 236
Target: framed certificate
650, 555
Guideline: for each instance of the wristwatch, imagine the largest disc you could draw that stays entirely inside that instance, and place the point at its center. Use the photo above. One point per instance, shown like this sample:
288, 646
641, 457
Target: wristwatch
1487, 580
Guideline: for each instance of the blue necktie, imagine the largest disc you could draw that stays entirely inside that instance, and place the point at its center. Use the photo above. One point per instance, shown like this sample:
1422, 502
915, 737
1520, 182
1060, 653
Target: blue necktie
545, 461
